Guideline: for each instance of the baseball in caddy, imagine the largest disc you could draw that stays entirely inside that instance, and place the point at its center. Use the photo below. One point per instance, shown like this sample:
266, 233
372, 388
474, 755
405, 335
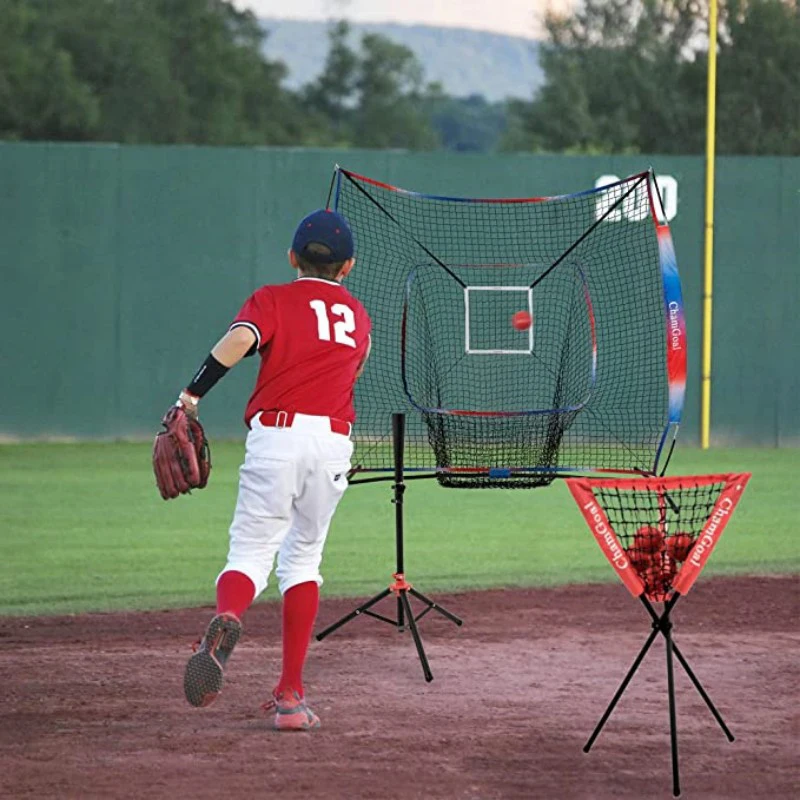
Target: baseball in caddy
522, 320
640, 559
679, 546
669, 569
648, 540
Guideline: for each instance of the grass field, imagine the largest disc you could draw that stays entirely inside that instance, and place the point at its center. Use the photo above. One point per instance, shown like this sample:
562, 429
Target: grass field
83, 528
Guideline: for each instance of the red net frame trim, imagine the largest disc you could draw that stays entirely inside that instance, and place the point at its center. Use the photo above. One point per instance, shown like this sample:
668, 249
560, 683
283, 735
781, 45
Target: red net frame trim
704, 539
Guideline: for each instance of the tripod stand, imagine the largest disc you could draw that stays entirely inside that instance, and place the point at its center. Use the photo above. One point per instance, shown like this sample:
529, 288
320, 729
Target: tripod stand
400, 587
663, 625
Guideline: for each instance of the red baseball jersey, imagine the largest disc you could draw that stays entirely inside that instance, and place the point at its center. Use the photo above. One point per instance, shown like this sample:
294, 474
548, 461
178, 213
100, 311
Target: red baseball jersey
312, 335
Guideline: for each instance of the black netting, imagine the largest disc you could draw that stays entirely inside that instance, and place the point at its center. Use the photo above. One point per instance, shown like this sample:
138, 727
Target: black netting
585, 387
658, 526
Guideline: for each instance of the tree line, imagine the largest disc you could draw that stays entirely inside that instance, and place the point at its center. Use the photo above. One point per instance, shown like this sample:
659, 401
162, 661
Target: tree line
620, 76
630, 76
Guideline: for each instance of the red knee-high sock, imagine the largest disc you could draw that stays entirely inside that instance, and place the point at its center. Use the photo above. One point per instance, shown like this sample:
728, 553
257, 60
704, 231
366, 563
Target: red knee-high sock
300, 605
235, 593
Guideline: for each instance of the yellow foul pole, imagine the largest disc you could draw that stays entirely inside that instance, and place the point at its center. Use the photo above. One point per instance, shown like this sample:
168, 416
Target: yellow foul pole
708, 249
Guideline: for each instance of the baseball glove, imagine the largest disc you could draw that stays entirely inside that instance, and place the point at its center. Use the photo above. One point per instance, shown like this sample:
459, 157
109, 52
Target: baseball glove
181, 455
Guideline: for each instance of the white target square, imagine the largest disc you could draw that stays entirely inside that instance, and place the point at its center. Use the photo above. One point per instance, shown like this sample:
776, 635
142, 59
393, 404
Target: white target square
488, 314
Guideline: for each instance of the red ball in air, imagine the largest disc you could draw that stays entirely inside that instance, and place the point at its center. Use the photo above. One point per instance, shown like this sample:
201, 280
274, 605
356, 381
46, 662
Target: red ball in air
522, 320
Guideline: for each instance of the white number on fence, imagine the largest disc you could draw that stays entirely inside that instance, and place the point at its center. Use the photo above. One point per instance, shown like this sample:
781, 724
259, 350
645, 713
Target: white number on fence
636, 206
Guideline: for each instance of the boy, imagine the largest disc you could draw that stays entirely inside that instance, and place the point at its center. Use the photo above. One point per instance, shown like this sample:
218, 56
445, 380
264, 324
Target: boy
313, 337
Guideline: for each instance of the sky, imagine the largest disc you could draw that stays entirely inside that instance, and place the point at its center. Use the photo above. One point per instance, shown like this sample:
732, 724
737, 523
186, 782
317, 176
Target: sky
515, 17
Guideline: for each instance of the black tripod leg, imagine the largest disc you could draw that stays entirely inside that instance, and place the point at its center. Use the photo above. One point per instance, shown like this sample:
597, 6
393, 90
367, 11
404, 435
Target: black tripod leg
702, 692
405, 614
435, 607
692, 677
673, 725
426, 670
353, 614
401, 626
624, 685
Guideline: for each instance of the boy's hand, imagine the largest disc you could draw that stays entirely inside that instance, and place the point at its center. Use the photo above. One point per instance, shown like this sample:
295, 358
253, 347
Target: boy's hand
189, 403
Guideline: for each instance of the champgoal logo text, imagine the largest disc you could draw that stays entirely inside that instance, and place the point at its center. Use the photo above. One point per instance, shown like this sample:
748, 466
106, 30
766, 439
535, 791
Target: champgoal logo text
706, 540
674, 325
606, 537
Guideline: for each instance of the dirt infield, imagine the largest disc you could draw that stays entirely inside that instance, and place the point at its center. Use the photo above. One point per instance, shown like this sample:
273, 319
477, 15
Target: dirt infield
93, 704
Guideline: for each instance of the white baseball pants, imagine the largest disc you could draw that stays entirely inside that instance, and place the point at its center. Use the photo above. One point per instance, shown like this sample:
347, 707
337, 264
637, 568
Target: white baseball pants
289, 486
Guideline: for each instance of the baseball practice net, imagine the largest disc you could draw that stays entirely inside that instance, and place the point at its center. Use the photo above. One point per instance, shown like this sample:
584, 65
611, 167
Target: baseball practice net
594, 383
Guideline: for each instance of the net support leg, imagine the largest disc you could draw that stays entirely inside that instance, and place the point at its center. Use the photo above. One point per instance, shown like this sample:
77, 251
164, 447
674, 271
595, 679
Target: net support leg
657, 628
435, 606
401, 625
692, 677
356, 612
622, 687
702, 692
399, 586
666, 629
412, 623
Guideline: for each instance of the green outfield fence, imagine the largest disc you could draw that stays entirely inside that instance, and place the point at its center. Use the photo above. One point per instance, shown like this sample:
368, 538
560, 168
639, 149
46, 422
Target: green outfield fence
122, 265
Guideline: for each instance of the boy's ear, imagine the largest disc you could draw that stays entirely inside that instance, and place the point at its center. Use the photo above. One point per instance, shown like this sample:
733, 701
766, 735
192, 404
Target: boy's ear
346, 267
293, 259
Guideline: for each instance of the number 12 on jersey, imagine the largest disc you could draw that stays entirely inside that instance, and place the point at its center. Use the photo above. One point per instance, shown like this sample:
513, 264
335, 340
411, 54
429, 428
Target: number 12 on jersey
342, 327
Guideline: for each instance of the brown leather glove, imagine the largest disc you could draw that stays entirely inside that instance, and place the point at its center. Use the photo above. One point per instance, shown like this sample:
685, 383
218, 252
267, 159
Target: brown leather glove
181, 454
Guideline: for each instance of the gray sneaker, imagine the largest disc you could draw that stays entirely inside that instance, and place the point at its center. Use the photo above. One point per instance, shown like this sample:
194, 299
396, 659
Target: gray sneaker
202, 681
291, 712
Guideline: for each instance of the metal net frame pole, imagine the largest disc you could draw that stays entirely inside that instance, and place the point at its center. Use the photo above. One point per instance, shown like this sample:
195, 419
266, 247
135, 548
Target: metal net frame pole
400, 587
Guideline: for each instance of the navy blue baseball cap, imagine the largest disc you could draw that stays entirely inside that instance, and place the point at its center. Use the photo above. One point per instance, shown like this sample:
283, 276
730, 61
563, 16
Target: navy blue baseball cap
328, 229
